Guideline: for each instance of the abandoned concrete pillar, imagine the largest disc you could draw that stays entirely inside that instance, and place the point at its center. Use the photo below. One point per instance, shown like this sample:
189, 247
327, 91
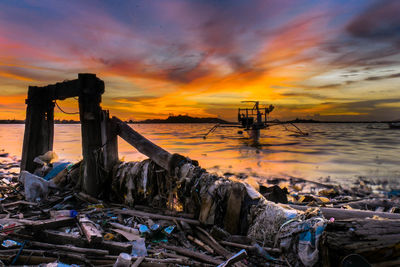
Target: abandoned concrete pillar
39, 126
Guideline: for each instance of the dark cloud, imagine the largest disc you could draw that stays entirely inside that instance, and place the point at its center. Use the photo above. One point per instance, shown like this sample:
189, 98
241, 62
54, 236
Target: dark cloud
133, 99
377, 78
311, 95
332, 85
366, 110
380, 21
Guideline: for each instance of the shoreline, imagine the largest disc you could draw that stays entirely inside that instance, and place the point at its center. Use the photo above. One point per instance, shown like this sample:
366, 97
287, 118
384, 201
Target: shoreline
10, 165
185, 238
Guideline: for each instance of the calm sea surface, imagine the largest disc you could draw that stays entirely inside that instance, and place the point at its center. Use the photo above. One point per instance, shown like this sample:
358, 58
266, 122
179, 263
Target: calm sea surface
341, 152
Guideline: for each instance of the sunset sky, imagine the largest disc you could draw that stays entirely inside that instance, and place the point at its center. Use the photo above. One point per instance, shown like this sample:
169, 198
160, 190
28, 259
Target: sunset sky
328, 60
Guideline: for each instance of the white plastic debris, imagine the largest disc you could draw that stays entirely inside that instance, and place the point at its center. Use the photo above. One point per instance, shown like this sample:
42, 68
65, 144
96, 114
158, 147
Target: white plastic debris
123, 260
36, 188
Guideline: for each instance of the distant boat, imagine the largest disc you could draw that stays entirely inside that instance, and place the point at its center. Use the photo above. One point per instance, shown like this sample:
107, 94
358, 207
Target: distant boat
394, 125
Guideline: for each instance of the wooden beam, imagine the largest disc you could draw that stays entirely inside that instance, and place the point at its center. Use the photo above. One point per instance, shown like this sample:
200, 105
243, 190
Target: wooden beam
144, 146
341, 214
51, 223
62, 238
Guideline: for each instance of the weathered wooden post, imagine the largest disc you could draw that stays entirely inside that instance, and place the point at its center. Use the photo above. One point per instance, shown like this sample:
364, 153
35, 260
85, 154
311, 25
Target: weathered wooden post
39, 126
109, 139
91, 89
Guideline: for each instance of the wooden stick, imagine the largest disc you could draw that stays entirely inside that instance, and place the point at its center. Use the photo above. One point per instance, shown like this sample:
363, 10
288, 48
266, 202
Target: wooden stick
207, 238
200, 256
156, 216
137, 262
124, 228
16, 203
200, 243
237, 245
174, 261
69, 248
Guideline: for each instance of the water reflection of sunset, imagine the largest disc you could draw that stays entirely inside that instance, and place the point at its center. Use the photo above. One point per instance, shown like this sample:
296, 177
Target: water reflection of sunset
337, 151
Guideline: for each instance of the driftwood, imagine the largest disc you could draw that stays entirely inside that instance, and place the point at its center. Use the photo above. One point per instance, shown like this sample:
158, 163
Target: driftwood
156, 216
376, 240
192, 254
341, 214
69, 248
371, 204
144, 146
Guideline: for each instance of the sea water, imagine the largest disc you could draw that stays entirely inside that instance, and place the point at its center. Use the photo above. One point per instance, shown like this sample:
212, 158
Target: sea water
338, 152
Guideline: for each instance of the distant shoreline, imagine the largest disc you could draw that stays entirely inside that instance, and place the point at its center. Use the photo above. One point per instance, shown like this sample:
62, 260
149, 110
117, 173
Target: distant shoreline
188, 120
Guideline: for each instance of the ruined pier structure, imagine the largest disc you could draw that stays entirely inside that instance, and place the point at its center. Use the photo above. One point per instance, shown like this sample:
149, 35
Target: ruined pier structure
99, 131
99, 138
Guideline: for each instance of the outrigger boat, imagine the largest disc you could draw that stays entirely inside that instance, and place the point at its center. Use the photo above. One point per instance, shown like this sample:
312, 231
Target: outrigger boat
254, 119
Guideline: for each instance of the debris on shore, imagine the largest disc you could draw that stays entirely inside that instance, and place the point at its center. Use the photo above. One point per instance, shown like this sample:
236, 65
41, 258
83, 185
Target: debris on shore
63, 225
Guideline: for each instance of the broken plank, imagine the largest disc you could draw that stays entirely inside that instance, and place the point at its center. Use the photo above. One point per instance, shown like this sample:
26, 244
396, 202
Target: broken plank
52, 223
52, 236
92, 234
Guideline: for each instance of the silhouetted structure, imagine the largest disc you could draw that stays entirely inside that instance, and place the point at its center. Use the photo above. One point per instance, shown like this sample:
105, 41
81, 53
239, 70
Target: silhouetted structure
99, 138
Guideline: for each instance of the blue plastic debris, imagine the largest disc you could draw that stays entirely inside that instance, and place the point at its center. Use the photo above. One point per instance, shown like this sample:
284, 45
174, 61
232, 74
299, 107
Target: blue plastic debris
8, 243
154, 227
168, 230
56, 170
143, 229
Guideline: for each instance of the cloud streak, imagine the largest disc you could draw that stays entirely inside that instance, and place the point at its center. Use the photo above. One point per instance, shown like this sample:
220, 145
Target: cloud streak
176, 56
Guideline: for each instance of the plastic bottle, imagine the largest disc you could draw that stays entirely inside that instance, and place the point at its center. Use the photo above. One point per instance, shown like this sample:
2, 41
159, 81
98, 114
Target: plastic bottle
63, 213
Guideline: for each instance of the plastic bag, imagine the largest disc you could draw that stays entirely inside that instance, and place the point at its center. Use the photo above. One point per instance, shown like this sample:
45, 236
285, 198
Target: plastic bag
139, 248
36, 188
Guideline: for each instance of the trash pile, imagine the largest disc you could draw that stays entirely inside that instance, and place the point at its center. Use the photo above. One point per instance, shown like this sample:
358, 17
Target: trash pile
149, 217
